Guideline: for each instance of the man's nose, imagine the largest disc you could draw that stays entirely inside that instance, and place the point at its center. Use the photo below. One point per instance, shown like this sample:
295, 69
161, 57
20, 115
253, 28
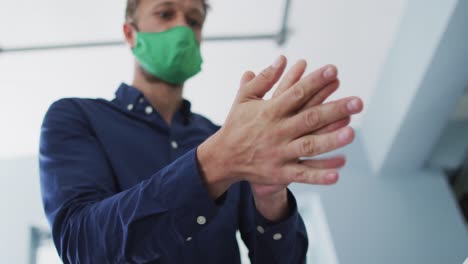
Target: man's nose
180, 20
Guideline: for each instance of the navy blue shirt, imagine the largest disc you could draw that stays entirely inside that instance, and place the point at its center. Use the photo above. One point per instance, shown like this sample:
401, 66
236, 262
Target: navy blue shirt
120, 185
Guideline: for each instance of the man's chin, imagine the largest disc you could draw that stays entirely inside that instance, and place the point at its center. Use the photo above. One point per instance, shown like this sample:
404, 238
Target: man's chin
150, 78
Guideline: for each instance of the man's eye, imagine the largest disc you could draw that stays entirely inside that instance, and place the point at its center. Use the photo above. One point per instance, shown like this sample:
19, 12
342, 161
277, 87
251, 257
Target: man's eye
193, 22
165, 14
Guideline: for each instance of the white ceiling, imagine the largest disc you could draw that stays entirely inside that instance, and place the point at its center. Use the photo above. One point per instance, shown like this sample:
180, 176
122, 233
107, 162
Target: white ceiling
26, 22
354, 35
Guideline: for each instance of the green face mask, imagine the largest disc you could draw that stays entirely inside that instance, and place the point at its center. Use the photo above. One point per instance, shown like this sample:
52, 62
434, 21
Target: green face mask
172, 55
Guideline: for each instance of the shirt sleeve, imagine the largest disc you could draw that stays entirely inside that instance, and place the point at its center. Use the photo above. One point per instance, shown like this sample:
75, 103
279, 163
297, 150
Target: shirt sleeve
272, 242
92, 221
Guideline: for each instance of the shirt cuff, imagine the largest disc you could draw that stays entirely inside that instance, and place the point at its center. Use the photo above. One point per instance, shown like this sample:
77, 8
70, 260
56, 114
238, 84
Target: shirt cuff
186, 195
282, 232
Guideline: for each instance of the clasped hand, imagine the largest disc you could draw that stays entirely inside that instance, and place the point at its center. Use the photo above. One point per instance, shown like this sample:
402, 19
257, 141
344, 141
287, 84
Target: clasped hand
262, 141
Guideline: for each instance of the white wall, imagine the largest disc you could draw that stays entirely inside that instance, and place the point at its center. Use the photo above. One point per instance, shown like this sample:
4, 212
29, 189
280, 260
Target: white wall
355, 35
20, 208
420, 85
396, 217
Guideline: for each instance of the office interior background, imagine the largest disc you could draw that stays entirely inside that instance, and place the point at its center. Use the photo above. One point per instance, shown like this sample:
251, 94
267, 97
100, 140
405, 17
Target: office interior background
403, 196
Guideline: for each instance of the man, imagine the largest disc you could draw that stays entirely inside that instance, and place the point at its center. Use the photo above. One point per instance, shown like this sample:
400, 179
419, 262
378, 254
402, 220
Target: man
142, 179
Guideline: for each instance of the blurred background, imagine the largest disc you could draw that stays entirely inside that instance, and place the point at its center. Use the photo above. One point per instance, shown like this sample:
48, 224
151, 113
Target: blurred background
403, 197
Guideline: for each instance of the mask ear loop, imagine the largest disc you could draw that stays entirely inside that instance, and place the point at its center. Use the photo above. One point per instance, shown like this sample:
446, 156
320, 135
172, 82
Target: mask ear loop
133, 24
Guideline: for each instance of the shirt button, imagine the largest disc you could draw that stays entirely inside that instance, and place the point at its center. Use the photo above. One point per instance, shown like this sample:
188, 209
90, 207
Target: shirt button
174, 144
201, 220
141, 100
277, 236
149, 110
188, 239
130, 107
260, 229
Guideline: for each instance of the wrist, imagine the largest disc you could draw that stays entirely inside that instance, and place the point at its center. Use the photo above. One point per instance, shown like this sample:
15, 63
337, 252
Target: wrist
213, 166
274, 207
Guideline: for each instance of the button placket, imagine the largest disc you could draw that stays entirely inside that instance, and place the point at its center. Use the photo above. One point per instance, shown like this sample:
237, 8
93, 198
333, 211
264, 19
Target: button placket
174, 144
260, 229
277, 236
149, 110
201, 220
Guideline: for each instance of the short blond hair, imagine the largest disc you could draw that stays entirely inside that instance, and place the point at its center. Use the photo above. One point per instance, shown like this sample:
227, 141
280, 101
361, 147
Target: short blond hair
132, 6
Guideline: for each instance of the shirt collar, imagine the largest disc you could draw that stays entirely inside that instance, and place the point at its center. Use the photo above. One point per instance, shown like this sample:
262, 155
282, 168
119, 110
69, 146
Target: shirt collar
128, 95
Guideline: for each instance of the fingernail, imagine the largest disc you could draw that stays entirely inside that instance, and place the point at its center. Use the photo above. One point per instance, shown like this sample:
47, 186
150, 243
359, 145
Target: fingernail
353, 106
343, 135
330, 177
329, 73
277, 62
301, 61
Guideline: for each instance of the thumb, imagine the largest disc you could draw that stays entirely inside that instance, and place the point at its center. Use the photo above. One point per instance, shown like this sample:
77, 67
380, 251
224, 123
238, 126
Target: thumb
247, 77
257, 86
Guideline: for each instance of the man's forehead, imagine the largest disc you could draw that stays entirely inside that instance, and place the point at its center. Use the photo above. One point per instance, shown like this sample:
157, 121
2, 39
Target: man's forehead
189, 4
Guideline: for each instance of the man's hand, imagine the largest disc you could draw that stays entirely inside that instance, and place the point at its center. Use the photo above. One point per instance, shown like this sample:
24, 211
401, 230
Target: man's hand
262, 140
271, 200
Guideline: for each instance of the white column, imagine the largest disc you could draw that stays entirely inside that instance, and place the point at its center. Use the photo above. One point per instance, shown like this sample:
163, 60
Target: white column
423, 78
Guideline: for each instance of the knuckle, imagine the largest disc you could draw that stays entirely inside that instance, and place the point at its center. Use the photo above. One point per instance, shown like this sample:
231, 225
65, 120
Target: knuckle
265, 75
299, 91
312, 118
324, 146
308, 146
314, 177
300, 176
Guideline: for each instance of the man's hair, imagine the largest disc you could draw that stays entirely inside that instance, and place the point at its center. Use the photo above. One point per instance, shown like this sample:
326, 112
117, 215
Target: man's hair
132, 6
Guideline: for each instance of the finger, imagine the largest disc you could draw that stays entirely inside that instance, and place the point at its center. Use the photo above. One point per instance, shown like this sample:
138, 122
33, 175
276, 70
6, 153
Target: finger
333, 126
264, 81
298, 95
291, 77
306, 122
247, 77
326, 163
302, 174
322, 95
313, 145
